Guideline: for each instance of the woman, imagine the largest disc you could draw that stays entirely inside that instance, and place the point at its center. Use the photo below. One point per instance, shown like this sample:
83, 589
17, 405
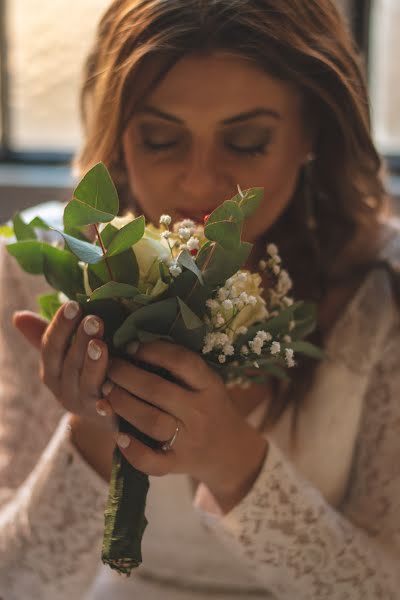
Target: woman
183, 100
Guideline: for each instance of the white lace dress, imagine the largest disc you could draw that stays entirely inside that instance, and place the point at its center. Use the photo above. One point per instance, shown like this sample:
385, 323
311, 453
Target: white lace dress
322, 520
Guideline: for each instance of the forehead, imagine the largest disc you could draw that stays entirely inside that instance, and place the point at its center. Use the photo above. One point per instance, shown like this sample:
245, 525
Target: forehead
220, 85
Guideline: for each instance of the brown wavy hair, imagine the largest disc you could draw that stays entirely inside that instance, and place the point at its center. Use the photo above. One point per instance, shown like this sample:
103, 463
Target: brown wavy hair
330, 230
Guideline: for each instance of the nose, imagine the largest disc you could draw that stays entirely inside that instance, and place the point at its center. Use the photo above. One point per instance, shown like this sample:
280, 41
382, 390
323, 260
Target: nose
204, 178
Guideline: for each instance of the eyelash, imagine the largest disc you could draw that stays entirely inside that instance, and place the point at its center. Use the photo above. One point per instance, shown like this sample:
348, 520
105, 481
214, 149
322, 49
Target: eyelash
251, 152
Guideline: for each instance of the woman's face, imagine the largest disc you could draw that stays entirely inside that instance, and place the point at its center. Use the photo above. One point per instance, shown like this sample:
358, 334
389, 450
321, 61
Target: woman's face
214, 123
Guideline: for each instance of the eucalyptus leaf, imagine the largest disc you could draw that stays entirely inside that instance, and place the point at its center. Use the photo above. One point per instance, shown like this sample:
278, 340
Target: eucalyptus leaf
62, 271
251, 201
29, 255
39, 224
191, 320
127, 236
95, 199
308, 349
218, 264
124, 268
227, 211
226, 233
22, 230
88, 253
156, 318
187, 261
49, 305
112, 289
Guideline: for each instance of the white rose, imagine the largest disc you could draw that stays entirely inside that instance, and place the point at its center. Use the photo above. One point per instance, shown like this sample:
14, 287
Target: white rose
251, 313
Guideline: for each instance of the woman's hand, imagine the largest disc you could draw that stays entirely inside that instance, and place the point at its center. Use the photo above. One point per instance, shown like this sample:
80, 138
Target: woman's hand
214, 444
74, 359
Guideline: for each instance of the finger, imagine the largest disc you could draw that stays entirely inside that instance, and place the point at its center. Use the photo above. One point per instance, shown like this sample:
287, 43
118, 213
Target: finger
31, 325
148, 386
90, 328
184, 364
152, 462
94, 369
148, 419
55, 343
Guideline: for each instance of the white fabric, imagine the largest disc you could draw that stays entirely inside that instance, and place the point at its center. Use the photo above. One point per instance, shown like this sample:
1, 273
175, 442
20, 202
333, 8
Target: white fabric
321, 521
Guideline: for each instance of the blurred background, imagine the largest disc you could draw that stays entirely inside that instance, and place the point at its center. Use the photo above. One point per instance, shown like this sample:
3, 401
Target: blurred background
42, 47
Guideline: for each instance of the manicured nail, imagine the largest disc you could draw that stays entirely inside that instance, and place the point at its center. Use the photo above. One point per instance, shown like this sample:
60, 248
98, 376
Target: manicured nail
71, 309
132, 347
91, 326
123, 440
94, 350
101, 410
106, 388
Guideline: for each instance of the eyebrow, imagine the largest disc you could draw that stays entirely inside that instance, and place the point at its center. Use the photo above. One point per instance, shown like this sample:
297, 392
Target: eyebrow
245, 116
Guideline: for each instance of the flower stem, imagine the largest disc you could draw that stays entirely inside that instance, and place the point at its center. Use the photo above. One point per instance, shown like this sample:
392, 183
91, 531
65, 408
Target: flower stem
104, 252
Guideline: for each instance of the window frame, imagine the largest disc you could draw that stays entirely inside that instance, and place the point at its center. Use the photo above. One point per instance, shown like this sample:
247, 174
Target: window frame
360, 12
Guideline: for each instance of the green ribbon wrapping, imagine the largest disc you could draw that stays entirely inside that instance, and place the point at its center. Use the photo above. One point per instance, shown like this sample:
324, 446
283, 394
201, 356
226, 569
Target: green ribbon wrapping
124, 516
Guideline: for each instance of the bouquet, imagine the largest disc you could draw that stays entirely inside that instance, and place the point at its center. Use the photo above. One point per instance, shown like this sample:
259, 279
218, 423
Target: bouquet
183, 282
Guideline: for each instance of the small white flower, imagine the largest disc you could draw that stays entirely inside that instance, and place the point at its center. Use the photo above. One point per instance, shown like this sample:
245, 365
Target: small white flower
222, 358
272, 249
175, 270
184, 232
188, 223
227, 304
242, 277
276, 269
166, 234
287, 339
275, 348
255, 363
219, 320
262, 265
256, 347
241, 330
165, 220
265, 336
252, 300
289, 353
222, 294
228, 350
292, 325
213, 304
193, 243
244, 297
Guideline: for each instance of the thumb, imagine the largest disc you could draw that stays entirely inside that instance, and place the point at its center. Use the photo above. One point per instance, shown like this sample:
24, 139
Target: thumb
31, 325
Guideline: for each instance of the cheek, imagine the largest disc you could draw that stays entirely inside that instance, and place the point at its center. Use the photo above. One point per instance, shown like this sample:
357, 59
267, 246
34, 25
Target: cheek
147, 184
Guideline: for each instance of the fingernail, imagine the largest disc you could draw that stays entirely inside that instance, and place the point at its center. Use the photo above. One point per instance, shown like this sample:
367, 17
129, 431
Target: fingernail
94, 350
71, 309
101, 410
91, 326
123, 440
106, 388
132, 347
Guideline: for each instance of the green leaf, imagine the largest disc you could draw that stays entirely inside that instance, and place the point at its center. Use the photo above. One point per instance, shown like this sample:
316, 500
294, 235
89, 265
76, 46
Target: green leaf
308, 349
95, 199
147, 336
191, 320
39, 224
187, 261
89, 253
251, 201
226, 233
112, 289
62, 271
127, 236
29, 255
49, 305
227, 211
124, 268
156, 318
22, 230
217, 264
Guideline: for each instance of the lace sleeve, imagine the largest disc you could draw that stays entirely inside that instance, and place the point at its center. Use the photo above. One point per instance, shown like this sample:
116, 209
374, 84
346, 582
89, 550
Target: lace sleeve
51, 501
296, 543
